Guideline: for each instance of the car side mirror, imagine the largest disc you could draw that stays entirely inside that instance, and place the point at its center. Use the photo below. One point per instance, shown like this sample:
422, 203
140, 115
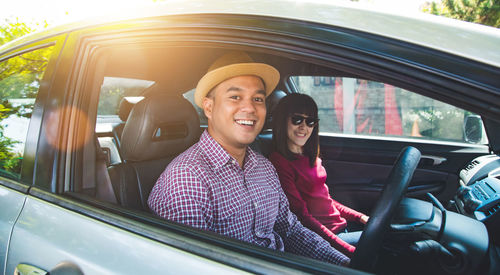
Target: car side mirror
473, 126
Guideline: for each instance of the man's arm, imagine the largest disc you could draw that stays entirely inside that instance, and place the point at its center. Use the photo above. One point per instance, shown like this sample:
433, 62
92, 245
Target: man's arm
180, 196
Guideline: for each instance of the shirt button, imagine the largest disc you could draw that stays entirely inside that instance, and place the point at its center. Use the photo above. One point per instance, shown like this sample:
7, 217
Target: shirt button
255, 204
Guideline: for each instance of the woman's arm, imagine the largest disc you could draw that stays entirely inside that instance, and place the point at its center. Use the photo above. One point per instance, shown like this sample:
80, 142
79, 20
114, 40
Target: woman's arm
298, 206
350, 214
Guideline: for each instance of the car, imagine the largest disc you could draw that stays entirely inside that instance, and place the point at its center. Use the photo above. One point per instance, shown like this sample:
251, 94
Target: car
92, 113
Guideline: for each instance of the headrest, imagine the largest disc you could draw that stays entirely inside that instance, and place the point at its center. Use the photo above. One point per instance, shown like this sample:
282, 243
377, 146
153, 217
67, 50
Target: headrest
124, 109
271, 102
159, 126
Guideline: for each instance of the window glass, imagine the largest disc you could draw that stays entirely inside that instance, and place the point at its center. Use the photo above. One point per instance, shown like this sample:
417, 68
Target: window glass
357, 106
114, 90
20, 78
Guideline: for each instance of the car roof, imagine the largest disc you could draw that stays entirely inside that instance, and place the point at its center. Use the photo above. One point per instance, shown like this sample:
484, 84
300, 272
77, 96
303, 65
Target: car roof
469, 40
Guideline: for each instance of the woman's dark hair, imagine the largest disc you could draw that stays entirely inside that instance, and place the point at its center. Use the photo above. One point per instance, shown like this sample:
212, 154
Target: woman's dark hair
295, 104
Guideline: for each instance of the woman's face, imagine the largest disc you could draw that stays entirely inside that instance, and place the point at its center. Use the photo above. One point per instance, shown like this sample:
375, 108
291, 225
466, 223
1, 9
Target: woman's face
300, 127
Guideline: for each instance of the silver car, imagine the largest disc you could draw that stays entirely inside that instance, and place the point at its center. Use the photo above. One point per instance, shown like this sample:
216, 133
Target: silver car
80, 150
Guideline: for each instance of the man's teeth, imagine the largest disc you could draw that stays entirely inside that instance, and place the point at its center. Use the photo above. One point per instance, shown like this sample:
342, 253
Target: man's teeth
245, 122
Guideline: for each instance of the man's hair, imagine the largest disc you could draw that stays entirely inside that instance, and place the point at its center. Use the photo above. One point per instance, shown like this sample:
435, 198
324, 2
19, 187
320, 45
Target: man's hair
295, 104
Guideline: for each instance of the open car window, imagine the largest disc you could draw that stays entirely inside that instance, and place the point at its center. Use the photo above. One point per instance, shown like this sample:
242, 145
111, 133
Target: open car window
132, 171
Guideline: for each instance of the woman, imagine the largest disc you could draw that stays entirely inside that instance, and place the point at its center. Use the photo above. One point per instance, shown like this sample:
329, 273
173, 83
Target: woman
295, 156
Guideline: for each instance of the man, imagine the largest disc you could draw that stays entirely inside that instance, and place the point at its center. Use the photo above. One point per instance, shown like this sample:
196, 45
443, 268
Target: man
220, 184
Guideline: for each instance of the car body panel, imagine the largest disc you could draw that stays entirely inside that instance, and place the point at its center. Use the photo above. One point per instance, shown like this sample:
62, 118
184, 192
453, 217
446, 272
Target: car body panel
11, 204
97, 248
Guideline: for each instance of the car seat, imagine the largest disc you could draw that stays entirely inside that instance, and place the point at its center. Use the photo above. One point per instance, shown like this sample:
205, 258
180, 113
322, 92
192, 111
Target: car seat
123, 112
159, 127
263, 142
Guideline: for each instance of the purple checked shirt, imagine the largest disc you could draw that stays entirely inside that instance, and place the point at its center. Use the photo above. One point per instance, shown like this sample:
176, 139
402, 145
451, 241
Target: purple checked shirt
205, 187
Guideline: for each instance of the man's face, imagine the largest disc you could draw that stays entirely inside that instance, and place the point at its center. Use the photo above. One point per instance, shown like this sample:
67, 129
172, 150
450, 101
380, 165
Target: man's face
236, 111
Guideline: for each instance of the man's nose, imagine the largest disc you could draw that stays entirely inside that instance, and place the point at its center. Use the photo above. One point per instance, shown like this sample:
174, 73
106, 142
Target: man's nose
248, 105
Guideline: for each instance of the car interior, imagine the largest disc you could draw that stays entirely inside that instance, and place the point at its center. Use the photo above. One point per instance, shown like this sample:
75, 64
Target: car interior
147, 135
133, 141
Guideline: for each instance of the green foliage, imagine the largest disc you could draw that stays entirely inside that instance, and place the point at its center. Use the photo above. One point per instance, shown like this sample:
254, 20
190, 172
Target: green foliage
20, 78
486, 12
12, 30
109, 100
10, 162
440, 121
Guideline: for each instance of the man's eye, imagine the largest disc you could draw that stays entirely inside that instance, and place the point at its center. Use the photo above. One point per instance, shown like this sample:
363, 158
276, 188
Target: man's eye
259, 99
234, 97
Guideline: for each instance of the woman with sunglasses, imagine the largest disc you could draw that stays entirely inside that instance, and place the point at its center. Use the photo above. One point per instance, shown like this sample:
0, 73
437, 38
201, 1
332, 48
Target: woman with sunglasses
302, 176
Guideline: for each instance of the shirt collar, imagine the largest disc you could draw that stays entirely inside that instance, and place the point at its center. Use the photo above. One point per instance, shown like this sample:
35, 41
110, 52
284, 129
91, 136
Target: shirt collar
218, 157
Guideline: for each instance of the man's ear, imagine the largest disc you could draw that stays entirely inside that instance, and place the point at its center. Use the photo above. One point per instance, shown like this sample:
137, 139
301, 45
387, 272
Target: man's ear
207, 105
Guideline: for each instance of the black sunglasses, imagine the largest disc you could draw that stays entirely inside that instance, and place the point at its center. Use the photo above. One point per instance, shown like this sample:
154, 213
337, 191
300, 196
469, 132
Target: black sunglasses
310, 122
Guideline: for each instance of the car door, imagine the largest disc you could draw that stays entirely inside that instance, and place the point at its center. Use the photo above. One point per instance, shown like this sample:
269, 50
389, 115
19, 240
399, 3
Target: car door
11, 203
62, 222
364, 124
39, 230
24, 71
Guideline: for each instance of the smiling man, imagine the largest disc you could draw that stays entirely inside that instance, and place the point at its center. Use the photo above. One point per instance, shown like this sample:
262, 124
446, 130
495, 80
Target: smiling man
220, 184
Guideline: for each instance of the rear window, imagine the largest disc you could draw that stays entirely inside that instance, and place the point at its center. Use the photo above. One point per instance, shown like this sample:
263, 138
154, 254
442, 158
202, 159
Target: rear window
113, 91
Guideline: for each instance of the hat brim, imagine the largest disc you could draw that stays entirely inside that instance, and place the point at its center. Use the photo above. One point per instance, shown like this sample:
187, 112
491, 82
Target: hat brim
267, 73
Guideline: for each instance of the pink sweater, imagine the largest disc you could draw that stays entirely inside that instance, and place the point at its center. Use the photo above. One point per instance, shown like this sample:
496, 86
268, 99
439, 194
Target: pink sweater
310, 200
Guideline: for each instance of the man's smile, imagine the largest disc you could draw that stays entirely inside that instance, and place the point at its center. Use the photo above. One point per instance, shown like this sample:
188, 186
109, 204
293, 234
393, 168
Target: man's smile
245, 122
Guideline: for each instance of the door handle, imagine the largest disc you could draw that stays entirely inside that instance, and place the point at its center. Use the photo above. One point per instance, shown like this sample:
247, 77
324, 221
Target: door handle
26, 269
432, 160
65, 267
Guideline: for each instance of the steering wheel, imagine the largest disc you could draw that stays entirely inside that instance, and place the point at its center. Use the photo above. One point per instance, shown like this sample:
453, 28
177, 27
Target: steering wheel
365, 255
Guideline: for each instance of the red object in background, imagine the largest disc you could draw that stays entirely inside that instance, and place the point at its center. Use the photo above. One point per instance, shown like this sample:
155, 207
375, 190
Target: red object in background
364, 120
393, 125
338, 102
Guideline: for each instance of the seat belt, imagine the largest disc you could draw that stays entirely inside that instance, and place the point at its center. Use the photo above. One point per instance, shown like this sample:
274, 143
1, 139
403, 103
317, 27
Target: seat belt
104, 188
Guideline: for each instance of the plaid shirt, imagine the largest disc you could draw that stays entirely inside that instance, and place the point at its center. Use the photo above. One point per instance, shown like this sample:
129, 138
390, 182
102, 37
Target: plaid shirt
205, 187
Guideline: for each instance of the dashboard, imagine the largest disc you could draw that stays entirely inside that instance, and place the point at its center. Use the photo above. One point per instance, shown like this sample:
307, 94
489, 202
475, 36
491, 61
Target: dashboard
479, 194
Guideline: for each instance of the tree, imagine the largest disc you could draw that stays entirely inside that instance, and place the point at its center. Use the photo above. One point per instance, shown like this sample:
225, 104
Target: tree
20, 78
12, 29
486, 12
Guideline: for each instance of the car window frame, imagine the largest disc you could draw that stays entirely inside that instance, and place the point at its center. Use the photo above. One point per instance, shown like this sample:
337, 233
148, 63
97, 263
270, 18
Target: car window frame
317, 52
28, 173
132, 220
